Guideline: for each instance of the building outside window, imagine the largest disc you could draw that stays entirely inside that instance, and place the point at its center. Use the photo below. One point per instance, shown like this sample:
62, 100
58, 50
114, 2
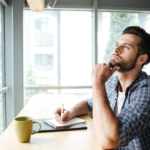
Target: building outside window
58, 48
57, 51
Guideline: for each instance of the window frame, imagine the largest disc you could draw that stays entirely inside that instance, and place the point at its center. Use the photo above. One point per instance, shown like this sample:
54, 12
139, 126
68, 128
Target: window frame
4, 89
93, 59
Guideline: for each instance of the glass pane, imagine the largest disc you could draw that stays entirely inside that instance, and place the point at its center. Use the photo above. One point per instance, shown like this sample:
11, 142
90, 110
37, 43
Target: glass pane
110, 27
0, 47
1, 70
57, 48
75, 94
1, 115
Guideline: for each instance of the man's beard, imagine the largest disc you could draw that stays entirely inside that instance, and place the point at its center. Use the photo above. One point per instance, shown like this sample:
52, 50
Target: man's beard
124, 65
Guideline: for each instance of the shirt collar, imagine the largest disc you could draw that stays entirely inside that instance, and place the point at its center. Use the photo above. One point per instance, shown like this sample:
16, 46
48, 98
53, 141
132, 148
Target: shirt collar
118, 82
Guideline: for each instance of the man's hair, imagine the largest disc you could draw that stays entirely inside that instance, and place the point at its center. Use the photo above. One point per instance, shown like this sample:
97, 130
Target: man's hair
144, 44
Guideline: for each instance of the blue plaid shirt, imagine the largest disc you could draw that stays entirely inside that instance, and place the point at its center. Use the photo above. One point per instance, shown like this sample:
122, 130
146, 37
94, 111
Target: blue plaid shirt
134, 118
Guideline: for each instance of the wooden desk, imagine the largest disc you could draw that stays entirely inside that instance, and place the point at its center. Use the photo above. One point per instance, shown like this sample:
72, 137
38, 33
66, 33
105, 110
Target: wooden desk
43, 107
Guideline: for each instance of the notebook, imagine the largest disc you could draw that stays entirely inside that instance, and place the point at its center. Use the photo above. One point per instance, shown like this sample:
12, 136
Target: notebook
55, 124
47, 128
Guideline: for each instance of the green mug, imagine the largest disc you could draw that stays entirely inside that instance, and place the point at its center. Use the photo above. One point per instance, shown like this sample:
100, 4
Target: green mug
23, 128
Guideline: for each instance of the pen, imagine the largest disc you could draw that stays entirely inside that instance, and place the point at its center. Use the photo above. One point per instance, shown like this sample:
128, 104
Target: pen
62, 111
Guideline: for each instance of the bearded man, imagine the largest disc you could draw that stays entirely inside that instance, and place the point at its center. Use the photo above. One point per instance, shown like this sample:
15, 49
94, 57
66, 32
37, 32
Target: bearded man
120, 105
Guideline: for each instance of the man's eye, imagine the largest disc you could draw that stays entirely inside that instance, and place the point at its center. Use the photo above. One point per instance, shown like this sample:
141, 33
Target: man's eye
126, 47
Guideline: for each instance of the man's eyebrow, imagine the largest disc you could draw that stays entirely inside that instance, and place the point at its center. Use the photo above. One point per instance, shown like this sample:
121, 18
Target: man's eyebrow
128, 44
125, 44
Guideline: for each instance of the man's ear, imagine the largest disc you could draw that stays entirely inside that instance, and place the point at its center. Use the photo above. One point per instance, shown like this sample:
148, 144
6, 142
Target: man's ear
142, 59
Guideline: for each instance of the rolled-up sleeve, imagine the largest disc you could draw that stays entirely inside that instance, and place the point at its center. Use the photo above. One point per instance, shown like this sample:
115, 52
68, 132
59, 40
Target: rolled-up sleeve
90, 103
135, 117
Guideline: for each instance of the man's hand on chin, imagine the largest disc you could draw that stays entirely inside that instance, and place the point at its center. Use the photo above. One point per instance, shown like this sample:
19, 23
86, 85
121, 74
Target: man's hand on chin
102, 72
105, 122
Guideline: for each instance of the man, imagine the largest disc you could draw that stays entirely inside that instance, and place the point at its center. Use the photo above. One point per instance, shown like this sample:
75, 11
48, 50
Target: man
121, 107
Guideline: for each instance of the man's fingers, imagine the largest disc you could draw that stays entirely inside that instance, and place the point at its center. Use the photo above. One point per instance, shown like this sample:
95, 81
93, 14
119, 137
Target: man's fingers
57, 118
108, 64
58, 111
57, 114
114, 69
61, 117
64, 115
103, 64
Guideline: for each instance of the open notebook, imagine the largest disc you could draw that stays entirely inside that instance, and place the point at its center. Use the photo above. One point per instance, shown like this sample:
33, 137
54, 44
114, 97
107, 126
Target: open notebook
55, 124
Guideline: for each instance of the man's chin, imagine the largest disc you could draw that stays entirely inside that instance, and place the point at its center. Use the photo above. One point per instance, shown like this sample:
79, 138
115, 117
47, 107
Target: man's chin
112, 65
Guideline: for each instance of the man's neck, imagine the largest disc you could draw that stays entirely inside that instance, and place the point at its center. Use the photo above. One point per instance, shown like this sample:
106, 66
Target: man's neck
126, 78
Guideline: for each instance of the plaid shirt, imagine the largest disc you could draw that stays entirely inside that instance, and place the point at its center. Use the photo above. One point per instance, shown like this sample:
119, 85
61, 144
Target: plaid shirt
134, 118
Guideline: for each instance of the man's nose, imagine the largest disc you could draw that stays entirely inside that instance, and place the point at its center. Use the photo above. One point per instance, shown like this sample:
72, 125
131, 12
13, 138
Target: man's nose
117, 50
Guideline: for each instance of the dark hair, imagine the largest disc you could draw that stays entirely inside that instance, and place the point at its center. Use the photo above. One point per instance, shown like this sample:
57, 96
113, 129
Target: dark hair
144, 44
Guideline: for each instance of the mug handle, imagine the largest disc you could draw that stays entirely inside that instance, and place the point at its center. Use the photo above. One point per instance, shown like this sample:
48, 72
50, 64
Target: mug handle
38, 129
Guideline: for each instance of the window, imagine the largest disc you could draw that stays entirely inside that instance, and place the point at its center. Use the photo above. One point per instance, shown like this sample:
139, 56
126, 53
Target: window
2, 104
41, 25
110, 27
58, 48
57, 51
44, 62
0, 47
43, 34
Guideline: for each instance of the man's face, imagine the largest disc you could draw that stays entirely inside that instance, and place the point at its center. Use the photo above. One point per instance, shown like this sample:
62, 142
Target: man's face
125, 53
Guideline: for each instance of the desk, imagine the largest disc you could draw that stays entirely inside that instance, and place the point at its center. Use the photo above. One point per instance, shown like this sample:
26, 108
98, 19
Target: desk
43, 107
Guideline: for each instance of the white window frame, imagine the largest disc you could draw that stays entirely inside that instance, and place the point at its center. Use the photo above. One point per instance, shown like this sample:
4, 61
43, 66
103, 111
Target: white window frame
4, 89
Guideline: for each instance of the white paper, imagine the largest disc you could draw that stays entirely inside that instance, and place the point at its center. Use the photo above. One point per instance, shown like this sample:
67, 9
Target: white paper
70, 122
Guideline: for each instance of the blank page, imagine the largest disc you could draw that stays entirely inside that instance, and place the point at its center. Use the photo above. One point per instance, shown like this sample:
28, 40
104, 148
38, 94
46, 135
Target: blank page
70, 122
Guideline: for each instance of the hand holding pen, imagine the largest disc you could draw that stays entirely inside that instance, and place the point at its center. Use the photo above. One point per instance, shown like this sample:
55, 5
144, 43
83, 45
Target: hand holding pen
62, 115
